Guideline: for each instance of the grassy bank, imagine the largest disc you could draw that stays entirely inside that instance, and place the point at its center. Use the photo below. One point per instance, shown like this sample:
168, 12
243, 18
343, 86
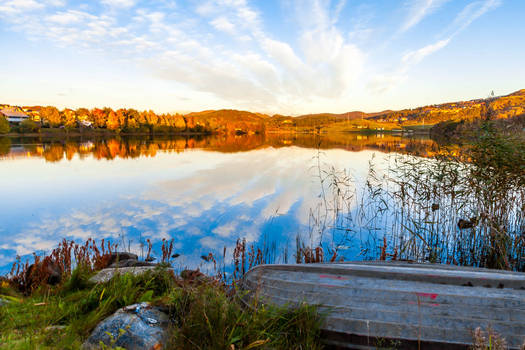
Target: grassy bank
204, 313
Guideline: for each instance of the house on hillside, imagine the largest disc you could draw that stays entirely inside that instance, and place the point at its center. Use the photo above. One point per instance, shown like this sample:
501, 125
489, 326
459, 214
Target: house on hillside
13, 116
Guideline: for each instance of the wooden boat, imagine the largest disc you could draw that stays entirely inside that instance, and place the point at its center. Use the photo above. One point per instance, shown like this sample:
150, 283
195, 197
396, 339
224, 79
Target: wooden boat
401, 305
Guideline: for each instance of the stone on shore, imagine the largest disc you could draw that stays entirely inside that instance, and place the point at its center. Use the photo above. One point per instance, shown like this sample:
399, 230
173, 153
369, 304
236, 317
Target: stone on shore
125, 259
134, 327
108, 273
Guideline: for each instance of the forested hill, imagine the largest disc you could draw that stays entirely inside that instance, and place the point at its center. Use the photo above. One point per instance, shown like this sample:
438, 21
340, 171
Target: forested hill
239, 122
501, 107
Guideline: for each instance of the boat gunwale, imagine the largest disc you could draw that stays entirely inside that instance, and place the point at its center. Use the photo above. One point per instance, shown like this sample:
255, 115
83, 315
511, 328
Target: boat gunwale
458, 276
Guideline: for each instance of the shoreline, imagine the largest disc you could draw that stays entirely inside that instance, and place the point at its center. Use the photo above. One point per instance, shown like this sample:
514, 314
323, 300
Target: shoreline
106, 133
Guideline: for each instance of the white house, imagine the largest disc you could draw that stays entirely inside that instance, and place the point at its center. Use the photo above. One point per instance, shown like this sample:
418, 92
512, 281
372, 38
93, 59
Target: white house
13, 116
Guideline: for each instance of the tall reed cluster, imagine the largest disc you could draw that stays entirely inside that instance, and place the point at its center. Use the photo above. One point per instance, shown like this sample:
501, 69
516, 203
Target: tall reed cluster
464, 209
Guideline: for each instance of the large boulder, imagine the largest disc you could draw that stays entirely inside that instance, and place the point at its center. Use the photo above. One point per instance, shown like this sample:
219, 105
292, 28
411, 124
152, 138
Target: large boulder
134, 327
107, 274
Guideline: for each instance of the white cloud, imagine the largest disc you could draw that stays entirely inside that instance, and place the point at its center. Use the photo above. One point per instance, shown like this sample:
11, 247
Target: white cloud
224, 25
17, 6
416, 56
119, 3
68, 17
418, 10
226, 230
473, 11
383, 82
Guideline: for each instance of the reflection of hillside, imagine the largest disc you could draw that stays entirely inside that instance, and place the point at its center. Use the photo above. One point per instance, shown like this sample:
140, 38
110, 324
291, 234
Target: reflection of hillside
53, 150
356, 142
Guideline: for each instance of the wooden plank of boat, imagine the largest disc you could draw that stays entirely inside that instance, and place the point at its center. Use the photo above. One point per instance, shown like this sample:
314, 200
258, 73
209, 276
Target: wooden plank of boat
416, 306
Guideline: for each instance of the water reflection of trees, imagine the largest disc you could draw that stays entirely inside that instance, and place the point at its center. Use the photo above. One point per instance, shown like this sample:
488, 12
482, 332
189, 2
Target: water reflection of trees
53, 150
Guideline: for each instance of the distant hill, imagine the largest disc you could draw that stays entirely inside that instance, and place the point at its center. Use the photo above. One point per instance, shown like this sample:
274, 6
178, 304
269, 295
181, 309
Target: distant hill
227, 121
500, 107
421, 118
232, 121
228, 114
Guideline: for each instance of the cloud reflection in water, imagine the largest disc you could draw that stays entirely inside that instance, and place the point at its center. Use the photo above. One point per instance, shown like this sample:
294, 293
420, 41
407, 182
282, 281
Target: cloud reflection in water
204, 200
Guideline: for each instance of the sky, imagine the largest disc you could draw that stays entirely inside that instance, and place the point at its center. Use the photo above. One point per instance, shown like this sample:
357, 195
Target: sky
271, 56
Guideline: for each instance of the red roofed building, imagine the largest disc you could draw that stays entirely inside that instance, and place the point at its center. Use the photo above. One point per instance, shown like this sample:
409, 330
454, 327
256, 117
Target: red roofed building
13, 115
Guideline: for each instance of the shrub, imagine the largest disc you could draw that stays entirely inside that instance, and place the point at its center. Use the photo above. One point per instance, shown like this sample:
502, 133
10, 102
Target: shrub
4, 125
29, 126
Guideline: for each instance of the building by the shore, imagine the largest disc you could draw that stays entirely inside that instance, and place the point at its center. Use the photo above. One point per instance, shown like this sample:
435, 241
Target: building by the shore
13, 115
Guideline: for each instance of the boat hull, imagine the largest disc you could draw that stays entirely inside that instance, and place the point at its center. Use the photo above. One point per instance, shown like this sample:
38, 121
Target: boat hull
405, 305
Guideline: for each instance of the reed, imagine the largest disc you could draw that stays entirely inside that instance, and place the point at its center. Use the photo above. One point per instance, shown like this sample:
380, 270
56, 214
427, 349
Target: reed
463, 208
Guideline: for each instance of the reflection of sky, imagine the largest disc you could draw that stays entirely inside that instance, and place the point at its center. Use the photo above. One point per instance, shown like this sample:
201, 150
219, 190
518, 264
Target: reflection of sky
204, 200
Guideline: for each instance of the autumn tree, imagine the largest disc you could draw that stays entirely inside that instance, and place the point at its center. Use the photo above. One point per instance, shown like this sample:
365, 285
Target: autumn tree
51, 114
179, 122
122, 118
98, 118
152, 118
112, 120
4, 125
141, 118
82, 114
132, 117
69, 118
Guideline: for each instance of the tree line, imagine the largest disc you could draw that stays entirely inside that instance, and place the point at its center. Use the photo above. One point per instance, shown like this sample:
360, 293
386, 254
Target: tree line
140, 122
124, 120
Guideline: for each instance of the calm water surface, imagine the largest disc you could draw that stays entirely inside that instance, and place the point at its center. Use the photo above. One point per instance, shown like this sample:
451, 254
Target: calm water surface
204, 193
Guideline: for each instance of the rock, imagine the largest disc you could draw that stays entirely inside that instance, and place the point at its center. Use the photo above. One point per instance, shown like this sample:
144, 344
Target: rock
121, 256
46, 271
134, 327
125, 259
107, 274
130, 263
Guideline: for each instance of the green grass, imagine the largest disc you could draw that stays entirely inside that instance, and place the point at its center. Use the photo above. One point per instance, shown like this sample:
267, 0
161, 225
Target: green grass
205, 316
426, 127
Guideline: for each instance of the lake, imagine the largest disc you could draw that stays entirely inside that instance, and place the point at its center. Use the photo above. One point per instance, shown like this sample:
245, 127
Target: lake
202, 192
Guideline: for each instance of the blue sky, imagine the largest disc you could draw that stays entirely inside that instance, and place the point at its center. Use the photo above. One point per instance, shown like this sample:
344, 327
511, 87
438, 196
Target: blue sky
287, 56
